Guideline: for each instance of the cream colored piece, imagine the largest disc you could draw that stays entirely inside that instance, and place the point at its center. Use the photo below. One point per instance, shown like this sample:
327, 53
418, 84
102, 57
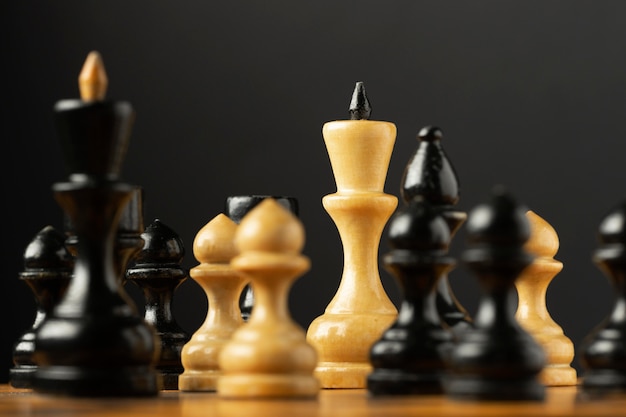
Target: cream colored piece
268, 357
214, 248
92, 80
360, 311
532, 313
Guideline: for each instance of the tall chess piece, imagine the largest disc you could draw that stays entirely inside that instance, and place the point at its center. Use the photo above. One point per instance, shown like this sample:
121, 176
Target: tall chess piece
214, 248
128, 240
431, 176
157, 271
359, 151
268, 357
497, 359
603, 356
412, 355
532, 313
47, 271
95, 343
236, 207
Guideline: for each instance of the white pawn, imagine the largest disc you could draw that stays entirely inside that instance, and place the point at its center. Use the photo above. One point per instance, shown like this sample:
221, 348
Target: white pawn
214, 248
268, 357
532, 313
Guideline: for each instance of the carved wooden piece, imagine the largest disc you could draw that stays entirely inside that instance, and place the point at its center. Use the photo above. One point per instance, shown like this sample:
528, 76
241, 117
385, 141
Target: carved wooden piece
213, 247
47, 271
94, 343
496, 359
532, 312
360, 311
268, 357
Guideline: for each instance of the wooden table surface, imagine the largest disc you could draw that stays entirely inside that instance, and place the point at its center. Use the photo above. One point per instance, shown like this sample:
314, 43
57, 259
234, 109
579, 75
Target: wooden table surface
563, 401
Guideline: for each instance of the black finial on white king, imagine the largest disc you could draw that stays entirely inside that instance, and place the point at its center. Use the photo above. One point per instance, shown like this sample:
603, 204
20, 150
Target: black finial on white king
95, 343
360, 108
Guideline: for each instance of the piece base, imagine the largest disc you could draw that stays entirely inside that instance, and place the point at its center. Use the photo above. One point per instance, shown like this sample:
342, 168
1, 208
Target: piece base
267, 386
343, 374
397, 382
22, 376
603, 381
481, 389
199, 381
100, 382
558, 376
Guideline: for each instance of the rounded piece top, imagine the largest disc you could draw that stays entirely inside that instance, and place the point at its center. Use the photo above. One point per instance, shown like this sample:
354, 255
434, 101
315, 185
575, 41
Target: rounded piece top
47, 251
161, 245
215, 242
270, 227
543, 240
418, 227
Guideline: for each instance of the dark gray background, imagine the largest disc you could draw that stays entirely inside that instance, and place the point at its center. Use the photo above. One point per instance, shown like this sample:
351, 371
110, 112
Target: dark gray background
231, 98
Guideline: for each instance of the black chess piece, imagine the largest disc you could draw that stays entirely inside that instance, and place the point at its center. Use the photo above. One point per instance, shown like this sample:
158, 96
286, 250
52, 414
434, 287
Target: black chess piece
431, 176
236, 207
157, 271
497, 359
603, 352
47, 271
128, 239
412, 355
94, 343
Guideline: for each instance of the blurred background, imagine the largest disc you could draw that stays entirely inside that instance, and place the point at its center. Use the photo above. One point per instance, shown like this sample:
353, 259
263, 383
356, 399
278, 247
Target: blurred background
231, 98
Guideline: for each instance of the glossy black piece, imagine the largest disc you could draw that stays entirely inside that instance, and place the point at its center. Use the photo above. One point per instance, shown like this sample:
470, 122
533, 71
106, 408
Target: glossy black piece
235, 208
431, 176
497, 359
47, 271
603, 353
412, 355
94, 343
157, 271
360, 108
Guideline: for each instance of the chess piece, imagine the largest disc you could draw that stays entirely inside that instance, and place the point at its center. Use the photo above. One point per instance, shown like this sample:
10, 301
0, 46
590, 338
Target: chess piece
532, 313
236, 207
94, 343
412, 355
496, 359
430, 175
602, 353
213, 247
157, 271
359, 151
128, 241
47, 271
268, 357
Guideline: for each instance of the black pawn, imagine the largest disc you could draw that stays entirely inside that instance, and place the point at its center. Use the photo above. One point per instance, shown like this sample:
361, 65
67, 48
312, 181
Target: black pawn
497, 359
47, 271
430, 175
412, 355
603, 351
236, 207
157, 271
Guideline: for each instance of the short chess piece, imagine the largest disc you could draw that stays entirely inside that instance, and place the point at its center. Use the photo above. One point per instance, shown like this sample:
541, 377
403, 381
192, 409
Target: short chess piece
412, 355
532, 312
94, 343
602, 353
157, 271
268, 357
496, 360
213, 247
47, 271
236, 207
430, 175
360, 311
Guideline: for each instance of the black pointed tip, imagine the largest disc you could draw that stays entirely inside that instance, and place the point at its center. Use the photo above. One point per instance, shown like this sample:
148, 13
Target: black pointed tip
360, 108
430, 133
